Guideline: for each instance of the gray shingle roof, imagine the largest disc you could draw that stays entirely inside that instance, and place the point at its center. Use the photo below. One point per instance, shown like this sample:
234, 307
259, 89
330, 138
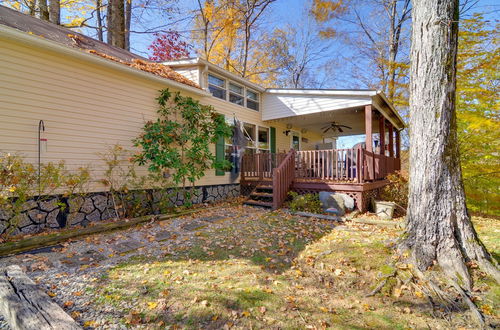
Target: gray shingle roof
59, 34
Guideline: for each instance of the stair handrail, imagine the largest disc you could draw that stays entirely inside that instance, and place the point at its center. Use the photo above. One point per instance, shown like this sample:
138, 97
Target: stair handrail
283, 176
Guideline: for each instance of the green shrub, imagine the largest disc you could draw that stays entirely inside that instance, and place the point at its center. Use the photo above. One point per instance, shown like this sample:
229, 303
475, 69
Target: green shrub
307, 202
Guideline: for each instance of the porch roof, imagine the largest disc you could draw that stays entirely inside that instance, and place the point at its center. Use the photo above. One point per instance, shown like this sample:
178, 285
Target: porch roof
313, 109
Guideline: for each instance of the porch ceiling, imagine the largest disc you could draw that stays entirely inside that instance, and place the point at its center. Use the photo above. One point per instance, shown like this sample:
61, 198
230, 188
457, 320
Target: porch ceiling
314, 122
314, 109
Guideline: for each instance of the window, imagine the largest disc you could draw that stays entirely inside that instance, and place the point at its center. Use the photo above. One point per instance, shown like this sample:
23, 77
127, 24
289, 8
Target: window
249, 131
252, 100
217, 86
236, 94
263, 139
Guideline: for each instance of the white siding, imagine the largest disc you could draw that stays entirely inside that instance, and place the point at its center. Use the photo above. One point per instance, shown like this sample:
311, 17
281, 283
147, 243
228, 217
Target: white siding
191, 73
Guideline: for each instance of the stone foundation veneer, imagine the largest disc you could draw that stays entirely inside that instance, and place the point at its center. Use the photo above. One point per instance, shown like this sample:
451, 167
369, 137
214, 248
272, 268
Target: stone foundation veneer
54, 212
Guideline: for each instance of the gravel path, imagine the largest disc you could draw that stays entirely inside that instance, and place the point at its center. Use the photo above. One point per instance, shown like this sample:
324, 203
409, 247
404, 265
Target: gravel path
68, 272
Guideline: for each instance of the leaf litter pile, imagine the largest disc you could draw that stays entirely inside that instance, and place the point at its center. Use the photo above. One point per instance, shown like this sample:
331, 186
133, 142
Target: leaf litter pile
241, 267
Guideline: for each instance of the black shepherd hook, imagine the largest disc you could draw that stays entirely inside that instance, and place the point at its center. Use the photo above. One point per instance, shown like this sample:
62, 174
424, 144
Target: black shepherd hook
41, 128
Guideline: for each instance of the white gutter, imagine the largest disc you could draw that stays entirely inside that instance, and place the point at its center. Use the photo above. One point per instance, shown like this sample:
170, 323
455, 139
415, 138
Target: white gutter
31, 39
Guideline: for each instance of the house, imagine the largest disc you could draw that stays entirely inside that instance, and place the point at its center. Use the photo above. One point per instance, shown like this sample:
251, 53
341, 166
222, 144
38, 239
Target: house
91, 96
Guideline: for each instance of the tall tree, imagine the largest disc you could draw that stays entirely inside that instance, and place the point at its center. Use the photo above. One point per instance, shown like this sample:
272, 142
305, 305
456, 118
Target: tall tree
55, 11
378, 31
439, 228
44, 10
116, 23
229, 35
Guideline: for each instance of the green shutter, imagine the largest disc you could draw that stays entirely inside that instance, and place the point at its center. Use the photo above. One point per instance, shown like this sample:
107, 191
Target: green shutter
273, 140
219, 154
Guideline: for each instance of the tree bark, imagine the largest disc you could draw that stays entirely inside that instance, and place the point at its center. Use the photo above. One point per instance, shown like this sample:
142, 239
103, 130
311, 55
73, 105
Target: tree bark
439, 227
116, 23
128, 17
44, 10
98, 13
55, 11
109, 22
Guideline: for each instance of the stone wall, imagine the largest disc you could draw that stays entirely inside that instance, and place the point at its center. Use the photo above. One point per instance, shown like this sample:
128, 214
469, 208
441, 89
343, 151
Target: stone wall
54, 212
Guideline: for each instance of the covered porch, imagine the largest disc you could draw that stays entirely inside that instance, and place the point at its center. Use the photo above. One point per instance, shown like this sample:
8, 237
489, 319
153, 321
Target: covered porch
359, 171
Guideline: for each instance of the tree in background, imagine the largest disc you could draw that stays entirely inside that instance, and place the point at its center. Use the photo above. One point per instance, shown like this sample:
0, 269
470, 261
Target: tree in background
439, 229
381, 36
168, 46
477, 113
229, 34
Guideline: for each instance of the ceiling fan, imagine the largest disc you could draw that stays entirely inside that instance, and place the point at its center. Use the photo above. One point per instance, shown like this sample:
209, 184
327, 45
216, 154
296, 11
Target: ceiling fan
334, 126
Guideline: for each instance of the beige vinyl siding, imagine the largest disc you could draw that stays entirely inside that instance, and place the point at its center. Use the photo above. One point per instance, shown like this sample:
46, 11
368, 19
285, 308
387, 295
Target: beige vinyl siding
87, 108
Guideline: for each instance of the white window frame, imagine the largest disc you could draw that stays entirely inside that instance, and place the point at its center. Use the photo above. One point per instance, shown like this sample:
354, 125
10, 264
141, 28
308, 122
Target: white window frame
252, 100
225, 88
268, 138
229, 91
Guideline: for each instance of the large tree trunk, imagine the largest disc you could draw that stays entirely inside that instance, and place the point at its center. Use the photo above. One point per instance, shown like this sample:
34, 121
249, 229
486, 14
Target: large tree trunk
116, 23
128, 18
439, 227
44, 10
55, 11
109, 22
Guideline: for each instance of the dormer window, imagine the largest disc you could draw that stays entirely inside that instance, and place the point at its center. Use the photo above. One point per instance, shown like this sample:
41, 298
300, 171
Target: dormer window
236, 94
217, 86
252, 100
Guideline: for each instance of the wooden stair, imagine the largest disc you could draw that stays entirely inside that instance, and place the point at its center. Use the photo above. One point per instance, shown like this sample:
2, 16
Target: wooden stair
270, 192
261, 196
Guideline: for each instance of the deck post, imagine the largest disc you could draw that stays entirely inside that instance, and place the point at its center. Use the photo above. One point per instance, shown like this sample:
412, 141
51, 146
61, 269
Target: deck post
398, 144
391, 140
370, 161
381, 130
368, 127
382, 166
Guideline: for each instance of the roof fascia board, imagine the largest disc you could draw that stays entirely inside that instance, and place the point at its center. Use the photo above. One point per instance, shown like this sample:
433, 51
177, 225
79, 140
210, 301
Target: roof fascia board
391, 106
390, 115
25, 38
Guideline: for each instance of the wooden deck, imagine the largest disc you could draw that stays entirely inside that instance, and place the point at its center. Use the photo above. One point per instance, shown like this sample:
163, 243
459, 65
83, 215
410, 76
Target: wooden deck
356, 172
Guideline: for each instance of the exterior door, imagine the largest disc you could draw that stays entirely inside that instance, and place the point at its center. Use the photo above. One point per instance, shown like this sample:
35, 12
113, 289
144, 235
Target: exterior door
295, 140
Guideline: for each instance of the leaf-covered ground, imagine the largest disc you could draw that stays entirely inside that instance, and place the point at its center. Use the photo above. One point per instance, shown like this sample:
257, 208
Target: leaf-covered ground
241, 267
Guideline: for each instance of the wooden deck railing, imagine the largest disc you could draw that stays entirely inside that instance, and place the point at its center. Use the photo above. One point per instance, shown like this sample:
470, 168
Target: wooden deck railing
260, 166
355, 165
283, 177
329, 165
